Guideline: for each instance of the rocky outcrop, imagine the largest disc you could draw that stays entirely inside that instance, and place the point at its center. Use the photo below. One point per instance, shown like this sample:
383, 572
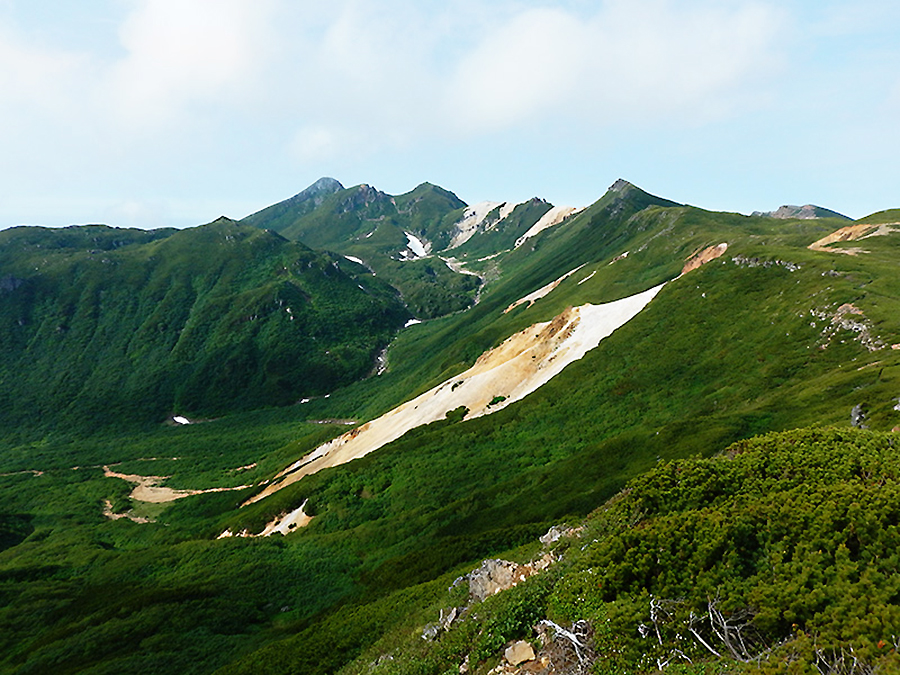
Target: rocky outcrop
805, 212
519, 652
496, 575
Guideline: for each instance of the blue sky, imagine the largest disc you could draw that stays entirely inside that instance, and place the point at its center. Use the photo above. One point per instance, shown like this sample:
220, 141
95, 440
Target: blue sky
172, 112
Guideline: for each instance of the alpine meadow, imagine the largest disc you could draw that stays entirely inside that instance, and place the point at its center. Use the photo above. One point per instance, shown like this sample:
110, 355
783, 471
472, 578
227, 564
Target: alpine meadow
357, 433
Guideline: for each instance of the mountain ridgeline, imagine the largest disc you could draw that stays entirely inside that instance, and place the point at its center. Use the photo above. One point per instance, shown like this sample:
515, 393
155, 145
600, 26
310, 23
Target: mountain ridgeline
710, 488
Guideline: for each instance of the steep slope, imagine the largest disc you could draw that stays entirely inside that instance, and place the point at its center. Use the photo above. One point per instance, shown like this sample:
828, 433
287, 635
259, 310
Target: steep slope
508, 373
100, 326
391, 235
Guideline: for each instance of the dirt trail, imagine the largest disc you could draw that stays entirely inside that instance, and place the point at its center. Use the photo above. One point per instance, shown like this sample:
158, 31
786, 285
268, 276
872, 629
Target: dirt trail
520, 365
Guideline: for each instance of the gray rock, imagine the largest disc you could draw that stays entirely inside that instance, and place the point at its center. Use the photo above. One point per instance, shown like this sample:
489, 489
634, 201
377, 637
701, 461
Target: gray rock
858, 416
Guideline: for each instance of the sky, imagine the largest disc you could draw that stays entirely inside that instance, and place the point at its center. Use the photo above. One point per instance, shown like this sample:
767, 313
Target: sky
149, 113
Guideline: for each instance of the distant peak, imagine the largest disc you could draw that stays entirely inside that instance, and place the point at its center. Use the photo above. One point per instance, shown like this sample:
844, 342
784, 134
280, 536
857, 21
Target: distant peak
621, 185
321, 188
223, 220
325, 184
806, 212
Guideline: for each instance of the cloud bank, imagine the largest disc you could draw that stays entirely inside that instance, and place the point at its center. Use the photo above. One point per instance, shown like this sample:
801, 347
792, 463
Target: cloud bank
182, 88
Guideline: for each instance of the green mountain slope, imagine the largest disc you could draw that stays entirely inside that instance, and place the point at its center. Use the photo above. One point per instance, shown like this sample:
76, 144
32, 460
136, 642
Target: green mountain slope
100, 326
779, 554
371, 226
769, 335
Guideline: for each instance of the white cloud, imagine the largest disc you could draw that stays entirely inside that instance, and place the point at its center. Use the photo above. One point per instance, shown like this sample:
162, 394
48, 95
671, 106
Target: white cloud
179, 53
34, 77
315, 144
645, 58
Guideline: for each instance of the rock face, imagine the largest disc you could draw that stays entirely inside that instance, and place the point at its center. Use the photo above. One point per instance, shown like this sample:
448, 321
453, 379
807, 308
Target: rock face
492, 577
499, 575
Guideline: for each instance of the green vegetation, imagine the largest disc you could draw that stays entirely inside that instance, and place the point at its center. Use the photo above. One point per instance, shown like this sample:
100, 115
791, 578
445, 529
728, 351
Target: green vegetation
782, 550
769, 337
370, 225
103, 327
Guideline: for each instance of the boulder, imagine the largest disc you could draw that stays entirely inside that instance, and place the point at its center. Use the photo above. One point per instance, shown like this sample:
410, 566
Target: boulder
519, 652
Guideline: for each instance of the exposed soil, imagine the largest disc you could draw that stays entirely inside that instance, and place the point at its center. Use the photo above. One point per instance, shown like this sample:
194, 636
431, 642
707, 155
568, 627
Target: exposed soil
852, 233
704, 256
501, 376
147, 488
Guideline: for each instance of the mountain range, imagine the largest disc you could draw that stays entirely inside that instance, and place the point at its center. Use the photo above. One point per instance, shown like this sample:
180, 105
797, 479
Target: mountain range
363, 433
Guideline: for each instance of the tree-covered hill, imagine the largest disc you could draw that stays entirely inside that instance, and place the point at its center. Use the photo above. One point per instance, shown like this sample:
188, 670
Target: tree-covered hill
103, 327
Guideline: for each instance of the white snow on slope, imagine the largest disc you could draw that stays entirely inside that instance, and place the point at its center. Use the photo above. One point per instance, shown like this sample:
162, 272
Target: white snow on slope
514, 369
507, 209
541, 292
473, 216
553, 217
283, 524
354, 259
416, 246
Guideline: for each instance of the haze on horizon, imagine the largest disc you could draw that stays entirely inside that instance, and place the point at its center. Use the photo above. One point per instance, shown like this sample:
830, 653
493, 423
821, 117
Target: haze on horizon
171, 112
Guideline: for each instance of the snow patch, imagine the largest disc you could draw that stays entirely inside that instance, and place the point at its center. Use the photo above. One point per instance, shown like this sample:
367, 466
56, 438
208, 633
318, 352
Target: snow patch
531, 298
178, 419
283, 524
354, 259
417, 248
411, 322
520, 365
473, 216
553, 217
588, 277
507, 209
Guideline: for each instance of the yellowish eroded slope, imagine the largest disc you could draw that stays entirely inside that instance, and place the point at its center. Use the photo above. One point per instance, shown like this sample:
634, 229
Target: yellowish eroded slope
514, 369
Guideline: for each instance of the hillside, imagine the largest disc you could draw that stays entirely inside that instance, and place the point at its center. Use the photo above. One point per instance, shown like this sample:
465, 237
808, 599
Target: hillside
779, 552
412, 240
747, 325
105, 327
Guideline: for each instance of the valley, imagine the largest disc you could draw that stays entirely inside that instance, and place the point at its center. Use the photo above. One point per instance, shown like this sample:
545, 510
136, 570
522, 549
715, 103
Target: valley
396, 388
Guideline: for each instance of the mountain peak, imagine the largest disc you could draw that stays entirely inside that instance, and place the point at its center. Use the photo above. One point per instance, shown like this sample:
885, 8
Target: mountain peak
621, 185
806, 212
325, 185
316, 193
